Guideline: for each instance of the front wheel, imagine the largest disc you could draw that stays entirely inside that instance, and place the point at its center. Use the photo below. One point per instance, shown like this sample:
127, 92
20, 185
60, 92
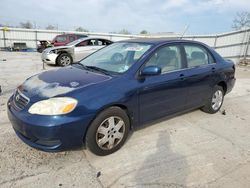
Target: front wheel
108, 132
64, 59
215, 102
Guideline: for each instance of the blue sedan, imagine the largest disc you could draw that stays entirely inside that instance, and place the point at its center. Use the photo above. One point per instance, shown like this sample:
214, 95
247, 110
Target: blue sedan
99, 100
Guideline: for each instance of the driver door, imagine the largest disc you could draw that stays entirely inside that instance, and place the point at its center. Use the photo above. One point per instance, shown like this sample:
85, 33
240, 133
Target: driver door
166, 93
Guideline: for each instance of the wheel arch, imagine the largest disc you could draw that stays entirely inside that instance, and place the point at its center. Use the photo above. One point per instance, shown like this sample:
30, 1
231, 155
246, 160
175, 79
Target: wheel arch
63, 52
223, 85
122, 106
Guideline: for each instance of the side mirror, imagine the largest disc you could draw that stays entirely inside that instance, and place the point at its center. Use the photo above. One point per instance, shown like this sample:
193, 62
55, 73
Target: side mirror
151, 71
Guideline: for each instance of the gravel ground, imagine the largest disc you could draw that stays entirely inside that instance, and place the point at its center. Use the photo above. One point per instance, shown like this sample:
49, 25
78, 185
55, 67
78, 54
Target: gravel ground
191, 150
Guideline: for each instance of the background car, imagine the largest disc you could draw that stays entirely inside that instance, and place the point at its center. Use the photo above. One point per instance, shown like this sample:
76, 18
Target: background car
74, 51
43, 44
61, 40
118, 89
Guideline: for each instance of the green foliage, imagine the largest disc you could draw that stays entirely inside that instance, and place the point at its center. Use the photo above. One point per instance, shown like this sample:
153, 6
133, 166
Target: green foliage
26, 25
80, 29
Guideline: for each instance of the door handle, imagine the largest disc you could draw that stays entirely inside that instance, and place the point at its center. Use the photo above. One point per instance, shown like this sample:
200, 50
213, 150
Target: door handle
182, 77
213, 69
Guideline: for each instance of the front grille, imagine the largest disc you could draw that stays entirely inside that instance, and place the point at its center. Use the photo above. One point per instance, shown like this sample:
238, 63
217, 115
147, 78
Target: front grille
20, 100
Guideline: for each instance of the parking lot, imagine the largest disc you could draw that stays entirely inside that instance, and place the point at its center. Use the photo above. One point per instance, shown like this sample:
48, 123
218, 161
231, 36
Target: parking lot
192, 150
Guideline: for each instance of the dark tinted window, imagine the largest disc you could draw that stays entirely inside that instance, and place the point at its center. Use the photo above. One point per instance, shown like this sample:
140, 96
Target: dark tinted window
81, 36
107, 42
83, 43
91, 42
168, 58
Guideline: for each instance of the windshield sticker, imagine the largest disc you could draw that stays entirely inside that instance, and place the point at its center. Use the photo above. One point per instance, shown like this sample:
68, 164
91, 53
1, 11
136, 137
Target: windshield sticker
134, 48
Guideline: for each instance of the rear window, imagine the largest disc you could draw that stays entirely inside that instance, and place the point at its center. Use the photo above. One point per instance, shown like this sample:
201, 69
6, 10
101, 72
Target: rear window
81, 36
197, 56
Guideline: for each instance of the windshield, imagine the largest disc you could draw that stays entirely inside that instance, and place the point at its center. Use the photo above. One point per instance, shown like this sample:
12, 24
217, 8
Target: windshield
117, 57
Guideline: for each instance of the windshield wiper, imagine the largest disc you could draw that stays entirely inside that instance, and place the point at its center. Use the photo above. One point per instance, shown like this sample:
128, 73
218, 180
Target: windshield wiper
78, 63
97, 69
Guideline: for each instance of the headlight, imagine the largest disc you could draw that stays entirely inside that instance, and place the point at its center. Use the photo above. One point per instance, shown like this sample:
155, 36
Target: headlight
54, 106
51, 52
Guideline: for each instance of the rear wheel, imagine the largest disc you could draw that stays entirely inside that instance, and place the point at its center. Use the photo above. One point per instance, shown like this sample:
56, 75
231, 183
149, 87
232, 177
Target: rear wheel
64, 59
215, 102
108, 132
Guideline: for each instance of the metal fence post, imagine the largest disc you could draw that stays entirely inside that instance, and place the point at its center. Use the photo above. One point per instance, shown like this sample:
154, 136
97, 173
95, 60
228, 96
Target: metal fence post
36, 39
246, 49
215, 41
4, 38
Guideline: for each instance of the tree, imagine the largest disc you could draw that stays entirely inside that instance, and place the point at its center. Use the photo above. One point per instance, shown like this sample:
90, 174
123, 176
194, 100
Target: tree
241, 20
26, 25
80, 29
124, 31
144, 32
51, 27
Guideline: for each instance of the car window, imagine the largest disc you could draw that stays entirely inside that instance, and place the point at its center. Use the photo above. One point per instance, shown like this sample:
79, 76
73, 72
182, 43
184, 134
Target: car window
81, 36
92, 42
197, 56
168, 58
71, 38
83, 43
61, 39
107, 42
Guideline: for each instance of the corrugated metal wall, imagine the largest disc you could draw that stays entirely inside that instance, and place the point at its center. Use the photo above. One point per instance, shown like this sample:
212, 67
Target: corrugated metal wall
231, 45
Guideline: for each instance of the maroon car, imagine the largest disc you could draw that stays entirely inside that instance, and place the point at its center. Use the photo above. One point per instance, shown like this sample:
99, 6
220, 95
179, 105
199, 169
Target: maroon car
62, 40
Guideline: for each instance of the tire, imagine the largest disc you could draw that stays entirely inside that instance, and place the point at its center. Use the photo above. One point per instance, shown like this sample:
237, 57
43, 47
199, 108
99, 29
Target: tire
101, 133
64, 59
40, 50
213, 105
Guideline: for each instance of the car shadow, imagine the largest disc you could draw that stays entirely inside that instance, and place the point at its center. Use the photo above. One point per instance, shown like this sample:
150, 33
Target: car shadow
165, 118
164, 168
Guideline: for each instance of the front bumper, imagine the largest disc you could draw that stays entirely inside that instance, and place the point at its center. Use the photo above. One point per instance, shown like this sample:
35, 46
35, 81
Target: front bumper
49, 133
49, 58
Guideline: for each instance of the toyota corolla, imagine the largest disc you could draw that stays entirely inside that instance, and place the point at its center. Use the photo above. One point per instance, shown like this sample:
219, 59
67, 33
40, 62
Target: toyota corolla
99, 100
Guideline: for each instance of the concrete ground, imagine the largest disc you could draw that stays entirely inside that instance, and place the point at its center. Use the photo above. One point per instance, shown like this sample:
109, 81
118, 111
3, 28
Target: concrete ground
192, 150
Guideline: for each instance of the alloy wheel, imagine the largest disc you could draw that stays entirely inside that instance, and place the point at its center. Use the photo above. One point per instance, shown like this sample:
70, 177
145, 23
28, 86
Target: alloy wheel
65, 60
110, 133
217, 100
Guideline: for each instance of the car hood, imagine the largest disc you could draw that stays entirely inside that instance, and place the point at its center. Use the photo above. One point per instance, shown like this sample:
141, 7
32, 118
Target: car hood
57, 48
61, 81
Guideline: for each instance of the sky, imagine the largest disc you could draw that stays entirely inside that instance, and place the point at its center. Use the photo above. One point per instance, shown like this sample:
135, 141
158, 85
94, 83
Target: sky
202, 16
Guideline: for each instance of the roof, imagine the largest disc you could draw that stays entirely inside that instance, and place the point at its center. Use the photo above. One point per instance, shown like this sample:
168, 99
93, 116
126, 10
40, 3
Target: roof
89, 38
157, 40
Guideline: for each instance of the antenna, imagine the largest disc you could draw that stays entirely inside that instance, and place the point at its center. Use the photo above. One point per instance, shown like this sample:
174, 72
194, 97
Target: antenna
185, 30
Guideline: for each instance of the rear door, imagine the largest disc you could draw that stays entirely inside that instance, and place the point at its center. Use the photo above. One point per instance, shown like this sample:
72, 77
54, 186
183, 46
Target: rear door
200, 76
166, 93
